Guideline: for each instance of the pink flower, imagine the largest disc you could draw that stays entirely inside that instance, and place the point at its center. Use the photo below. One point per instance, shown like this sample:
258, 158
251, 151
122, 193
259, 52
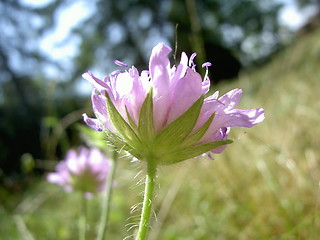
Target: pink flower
85, 171
162, 113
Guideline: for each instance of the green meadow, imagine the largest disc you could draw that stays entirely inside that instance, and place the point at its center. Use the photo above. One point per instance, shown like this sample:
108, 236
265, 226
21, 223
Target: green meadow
264, 186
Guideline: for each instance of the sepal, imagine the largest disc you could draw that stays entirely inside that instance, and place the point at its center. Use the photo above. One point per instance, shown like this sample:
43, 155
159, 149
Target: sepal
177, 131
191, 152
196, 136
171, 145
146, 124
122, 127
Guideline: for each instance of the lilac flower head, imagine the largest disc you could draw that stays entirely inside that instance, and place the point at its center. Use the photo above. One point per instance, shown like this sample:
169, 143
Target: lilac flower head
85, 171
162, 113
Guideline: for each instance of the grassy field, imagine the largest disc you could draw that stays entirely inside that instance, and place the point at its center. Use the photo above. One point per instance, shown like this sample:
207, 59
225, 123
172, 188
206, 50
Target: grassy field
264, 186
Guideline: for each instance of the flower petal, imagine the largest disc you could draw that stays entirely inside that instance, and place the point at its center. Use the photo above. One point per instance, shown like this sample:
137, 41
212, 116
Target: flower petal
222, 134
245, 118
96, 82
99, 104
209, 107
55, 178
187, 91
231, 98
137, 96
180, 72
159, 67
93, 123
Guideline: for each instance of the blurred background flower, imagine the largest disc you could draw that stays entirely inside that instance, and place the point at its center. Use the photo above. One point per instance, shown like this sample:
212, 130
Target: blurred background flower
85, 170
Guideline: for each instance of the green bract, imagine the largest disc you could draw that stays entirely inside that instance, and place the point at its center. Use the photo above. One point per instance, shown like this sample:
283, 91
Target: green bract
172, 144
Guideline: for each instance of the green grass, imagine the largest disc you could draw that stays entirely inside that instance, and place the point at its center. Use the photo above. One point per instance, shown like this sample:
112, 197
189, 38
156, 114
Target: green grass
264, 186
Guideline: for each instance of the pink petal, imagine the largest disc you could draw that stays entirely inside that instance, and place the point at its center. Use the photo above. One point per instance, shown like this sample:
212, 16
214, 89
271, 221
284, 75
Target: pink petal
99, 104
96, 82
93, 123
181, 70
232, 98
222, 134
210, 106
187, 91
245, 118
159, 67
55, 178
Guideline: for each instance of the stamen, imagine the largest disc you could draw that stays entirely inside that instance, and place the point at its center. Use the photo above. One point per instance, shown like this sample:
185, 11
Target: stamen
191, 63
115, 72
119, 63
207, 64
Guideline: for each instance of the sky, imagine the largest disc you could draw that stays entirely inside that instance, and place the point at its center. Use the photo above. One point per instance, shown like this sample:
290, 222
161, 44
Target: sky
293, 17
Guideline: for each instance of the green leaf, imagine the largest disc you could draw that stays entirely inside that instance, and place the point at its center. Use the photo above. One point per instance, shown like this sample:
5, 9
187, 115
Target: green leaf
195, 137
123, 128
146, 124
180, 128
191, 152
131, 122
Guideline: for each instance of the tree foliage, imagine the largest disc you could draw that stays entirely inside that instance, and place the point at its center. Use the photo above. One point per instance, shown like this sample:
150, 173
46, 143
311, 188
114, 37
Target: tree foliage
244, 31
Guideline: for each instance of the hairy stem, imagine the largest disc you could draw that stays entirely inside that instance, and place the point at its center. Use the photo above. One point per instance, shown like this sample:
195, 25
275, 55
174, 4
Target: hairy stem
147, 202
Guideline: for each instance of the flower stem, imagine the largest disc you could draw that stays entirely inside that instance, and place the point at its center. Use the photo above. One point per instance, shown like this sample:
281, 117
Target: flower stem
147, 202
102, 227
83, 218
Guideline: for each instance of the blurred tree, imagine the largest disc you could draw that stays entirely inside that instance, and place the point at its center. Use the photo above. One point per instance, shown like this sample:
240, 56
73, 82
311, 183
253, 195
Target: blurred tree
313, 19
304, 3
231, 33
18, 92
24, 85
